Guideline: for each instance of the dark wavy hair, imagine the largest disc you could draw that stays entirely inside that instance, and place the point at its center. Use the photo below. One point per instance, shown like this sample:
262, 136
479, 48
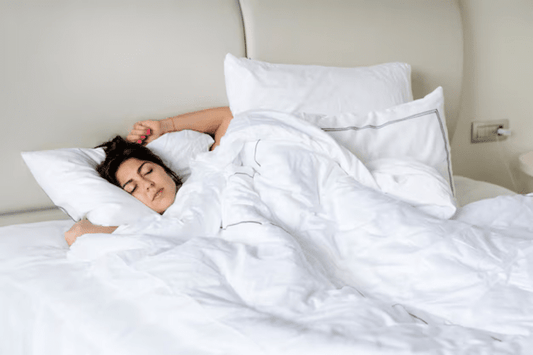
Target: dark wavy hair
118, 150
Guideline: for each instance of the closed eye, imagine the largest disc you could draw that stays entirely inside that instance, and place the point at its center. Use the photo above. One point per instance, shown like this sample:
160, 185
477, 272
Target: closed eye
140, 172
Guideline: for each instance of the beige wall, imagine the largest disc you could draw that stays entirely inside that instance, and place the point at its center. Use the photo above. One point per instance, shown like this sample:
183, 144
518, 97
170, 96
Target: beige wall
498, 83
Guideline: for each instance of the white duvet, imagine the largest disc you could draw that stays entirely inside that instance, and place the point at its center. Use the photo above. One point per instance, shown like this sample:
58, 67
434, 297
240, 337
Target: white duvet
280, 242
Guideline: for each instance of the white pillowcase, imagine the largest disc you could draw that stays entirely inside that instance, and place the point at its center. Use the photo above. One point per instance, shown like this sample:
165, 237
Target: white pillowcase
252, 84
176, 149
414, 130
69, 178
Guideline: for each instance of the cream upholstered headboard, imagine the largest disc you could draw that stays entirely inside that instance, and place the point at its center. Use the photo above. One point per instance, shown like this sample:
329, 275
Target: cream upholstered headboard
76, 73
427, 34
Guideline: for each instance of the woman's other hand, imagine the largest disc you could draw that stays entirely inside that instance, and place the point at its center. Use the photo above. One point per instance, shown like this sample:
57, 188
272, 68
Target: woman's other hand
85, 227
144, 132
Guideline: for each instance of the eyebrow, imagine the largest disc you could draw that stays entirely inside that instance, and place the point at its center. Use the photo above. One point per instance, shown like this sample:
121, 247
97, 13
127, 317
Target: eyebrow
138, 172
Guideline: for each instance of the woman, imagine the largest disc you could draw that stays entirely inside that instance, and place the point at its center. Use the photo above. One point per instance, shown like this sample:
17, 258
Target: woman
138, 171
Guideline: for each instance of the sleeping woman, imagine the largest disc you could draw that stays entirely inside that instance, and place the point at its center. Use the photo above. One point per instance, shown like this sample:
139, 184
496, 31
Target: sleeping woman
134, 168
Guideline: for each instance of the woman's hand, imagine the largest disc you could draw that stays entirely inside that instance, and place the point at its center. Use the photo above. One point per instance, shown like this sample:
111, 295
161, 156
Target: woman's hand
84, 227
144, 132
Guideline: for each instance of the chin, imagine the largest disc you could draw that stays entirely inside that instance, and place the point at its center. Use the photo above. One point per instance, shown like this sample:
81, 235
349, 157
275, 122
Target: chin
164, 204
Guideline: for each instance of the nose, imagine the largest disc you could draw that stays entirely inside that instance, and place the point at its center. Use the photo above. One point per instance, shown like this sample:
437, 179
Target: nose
148, 184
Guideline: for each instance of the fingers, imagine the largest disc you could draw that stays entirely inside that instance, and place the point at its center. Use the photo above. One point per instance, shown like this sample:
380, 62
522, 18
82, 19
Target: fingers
78, 229
140, 139
137, 134
142, 132
71, 235
143, 125
69, 238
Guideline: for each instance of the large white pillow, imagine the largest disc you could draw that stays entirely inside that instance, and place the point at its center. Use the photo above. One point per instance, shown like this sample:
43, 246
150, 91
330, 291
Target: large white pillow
178, 148
69, 178
414, 130
252, 84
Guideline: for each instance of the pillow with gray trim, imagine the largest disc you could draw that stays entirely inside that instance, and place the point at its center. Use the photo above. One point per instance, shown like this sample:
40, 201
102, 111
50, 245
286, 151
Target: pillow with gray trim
413, 130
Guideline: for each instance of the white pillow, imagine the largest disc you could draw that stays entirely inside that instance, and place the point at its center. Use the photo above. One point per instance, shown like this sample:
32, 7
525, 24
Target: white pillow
414, 130
69, 178
178, 148
251, 84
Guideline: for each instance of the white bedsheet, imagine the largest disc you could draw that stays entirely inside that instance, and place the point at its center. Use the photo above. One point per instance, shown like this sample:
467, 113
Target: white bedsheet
279, 243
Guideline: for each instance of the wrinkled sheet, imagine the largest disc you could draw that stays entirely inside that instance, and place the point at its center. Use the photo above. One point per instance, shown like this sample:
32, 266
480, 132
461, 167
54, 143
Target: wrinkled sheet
280, 242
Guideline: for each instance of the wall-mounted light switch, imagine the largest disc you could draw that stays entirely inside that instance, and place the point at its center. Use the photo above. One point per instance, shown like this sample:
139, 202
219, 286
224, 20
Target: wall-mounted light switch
487, 131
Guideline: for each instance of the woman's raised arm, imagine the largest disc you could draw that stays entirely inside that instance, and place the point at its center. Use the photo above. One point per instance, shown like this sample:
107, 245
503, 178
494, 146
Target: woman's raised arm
213, 121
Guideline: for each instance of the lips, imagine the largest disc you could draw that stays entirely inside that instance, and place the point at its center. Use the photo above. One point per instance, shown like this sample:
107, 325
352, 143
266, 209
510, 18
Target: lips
157, 194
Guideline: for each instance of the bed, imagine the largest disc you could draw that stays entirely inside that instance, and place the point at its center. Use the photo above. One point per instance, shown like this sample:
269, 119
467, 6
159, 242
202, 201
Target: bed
328, 220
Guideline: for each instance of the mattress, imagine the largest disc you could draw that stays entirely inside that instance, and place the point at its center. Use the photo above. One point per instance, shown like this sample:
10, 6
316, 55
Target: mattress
470, 190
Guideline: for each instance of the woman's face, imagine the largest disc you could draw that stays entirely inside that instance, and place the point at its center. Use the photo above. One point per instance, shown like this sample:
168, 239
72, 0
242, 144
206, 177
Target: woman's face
148, 182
